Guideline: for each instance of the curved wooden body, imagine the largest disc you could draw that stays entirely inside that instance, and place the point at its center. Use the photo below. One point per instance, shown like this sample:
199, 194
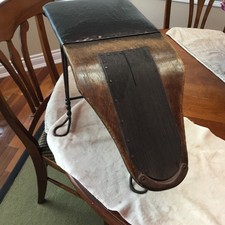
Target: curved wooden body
92, 84
14, 16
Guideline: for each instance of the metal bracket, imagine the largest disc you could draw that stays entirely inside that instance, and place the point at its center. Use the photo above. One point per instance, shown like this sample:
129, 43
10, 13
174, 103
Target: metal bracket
67, 95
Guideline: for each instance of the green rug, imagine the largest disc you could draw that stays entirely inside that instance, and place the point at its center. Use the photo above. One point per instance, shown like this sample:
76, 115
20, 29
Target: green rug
19, 207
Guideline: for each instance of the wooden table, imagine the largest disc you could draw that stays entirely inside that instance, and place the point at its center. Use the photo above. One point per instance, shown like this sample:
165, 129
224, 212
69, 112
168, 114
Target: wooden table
204, 93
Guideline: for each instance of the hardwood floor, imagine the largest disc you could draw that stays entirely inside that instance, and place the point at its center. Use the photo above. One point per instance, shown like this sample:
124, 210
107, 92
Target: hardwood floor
11, 147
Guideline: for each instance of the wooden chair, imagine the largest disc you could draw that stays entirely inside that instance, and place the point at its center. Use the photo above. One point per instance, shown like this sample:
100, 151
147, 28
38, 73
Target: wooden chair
14, 14
195, 20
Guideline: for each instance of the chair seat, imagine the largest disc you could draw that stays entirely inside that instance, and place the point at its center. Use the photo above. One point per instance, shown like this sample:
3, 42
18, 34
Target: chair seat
44, 148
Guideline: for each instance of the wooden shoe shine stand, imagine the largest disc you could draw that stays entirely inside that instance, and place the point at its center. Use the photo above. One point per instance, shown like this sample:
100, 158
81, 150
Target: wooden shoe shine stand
133, 80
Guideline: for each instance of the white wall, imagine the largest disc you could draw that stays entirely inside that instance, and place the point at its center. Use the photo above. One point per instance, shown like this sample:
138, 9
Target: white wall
154, 11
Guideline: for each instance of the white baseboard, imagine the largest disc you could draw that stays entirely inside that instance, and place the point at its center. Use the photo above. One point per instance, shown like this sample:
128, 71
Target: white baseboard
37, 61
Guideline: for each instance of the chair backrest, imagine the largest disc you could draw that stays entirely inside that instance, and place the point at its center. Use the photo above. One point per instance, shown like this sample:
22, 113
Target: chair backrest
14, 15
197, 16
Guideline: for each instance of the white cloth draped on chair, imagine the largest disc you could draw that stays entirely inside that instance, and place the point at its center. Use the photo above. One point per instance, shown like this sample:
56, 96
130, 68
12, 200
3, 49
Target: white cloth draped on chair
89, 154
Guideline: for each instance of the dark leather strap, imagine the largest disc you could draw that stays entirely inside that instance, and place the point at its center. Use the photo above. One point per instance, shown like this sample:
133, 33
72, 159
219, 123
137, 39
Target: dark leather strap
150, 132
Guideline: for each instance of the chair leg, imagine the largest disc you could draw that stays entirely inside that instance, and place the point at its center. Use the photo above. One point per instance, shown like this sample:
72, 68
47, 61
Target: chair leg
41, 174
42, 187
